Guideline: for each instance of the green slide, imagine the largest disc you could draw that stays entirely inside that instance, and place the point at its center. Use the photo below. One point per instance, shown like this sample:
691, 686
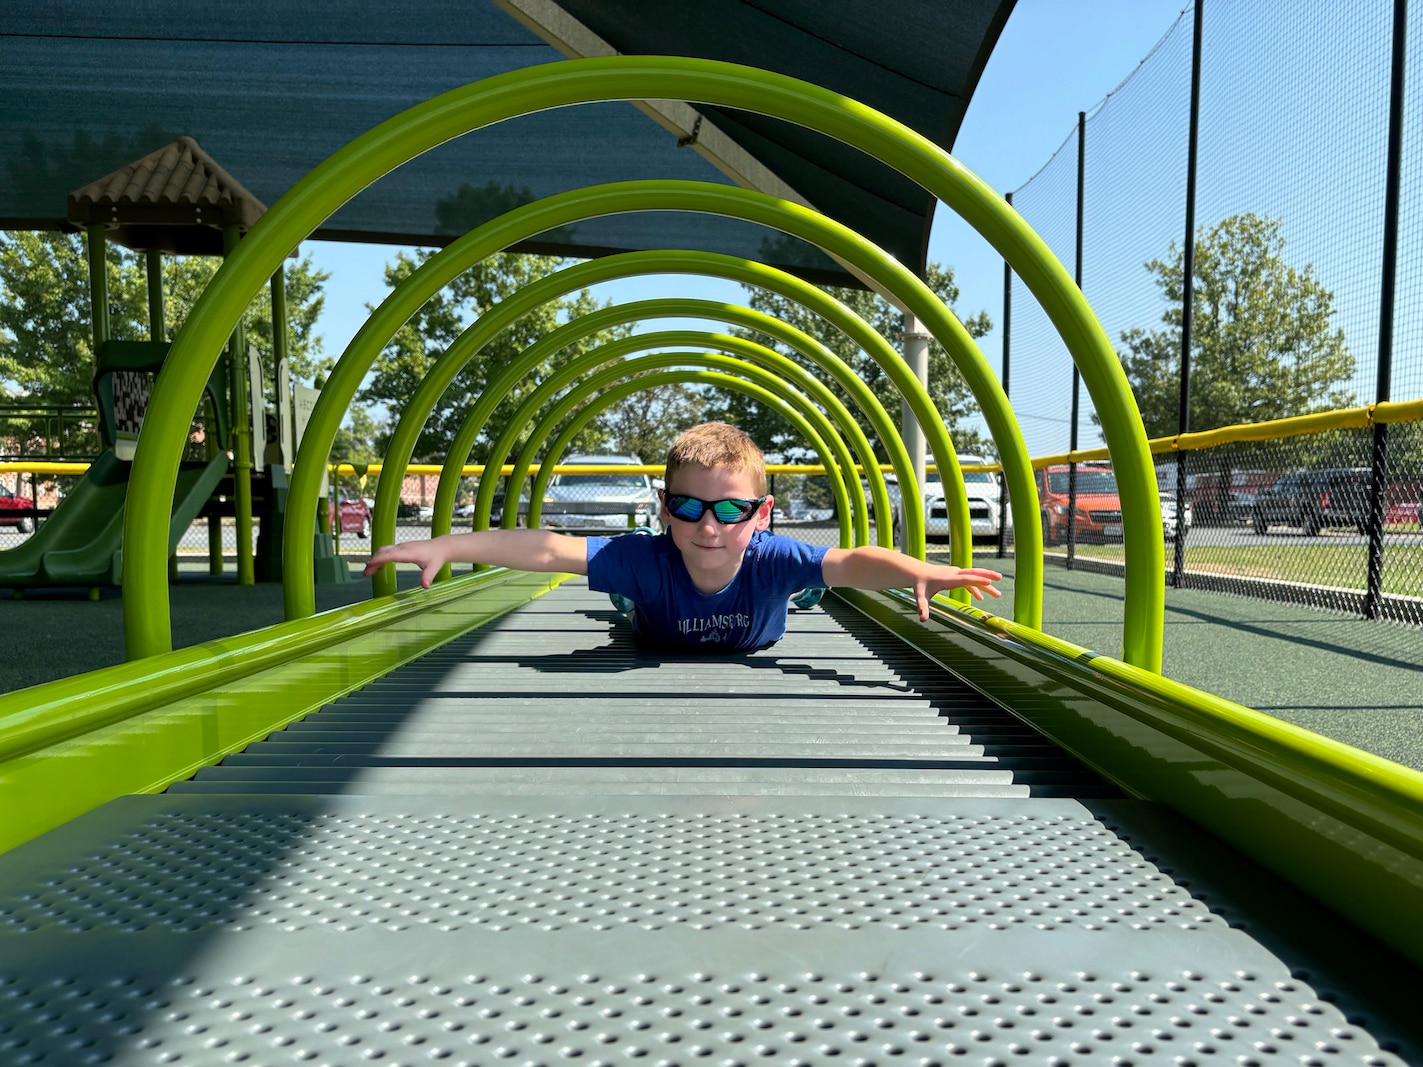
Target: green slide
81, 543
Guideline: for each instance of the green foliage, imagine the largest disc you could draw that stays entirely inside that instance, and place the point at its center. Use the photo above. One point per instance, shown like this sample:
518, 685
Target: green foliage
646, 424
946, 386
1262, 344
414, 349
46, 338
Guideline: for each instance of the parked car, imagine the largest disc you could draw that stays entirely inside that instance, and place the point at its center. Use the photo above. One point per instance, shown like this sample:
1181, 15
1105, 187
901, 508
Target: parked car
602, 501
1403, 513
1168, 514
1099, 508
1245, 489
984, 513
10, 506
1315, 500
355, 516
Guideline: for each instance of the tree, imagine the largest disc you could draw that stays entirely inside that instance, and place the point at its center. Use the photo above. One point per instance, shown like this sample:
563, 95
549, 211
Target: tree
1262, 345
414, 349
947, 388
355, 443
46, 324
646, 424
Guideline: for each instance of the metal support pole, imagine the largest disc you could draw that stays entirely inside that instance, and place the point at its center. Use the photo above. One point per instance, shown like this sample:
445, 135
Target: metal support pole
1188, 279
1373, 598
1076, 374
280, 357
98, 287
1007, 346
241, 439
916, 355
153, 260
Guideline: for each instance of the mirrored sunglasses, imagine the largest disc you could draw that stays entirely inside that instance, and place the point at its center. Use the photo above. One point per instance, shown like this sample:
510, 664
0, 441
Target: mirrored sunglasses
727, 512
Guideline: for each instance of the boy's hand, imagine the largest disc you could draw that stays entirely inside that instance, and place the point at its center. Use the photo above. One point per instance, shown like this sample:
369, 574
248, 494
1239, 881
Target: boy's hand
872, 567
428, 555
977, 580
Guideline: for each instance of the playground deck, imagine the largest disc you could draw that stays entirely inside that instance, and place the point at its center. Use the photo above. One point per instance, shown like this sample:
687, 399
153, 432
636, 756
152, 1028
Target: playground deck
1356, 681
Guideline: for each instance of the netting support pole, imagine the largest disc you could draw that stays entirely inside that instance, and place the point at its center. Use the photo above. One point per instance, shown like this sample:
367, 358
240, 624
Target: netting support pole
98, 288
1374, 596
1007, 347
915, 344
1188, 280
1076, 374
241, 436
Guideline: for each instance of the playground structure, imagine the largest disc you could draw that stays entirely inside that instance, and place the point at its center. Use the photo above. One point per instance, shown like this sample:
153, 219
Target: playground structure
1340, 827
176, 200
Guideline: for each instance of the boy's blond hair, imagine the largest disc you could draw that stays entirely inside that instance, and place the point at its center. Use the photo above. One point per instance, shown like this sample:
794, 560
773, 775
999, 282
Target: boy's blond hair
718, 445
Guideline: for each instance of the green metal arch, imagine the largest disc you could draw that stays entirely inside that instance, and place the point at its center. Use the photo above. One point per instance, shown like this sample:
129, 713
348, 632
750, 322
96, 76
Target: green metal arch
739, 203
624, 388
752, 353
837, 459
533, 218
604, 318
369, 157
442, 372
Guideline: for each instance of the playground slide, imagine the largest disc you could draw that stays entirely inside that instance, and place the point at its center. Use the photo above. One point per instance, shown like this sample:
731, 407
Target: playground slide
81, 543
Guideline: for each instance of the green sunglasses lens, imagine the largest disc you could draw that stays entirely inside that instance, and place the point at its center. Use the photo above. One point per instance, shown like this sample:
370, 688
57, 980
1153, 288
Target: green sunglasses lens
730, 511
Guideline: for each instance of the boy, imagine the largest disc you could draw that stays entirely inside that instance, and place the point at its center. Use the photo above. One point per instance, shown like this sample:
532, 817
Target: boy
715, 580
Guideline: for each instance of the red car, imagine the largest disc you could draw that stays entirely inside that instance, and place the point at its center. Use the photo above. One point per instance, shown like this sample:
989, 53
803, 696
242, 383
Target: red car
1099, 508
355, 516
10, 504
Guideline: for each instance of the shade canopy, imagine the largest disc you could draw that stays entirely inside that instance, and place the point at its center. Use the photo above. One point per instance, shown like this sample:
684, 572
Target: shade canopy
269, 90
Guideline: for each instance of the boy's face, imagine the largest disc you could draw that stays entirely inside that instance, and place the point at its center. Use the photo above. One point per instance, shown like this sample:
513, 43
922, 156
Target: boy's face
712, 551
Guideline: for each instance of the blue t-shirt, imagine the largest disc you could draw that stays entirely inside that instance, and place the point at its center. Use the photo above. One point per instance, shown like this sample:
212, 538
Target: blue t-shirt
749, 613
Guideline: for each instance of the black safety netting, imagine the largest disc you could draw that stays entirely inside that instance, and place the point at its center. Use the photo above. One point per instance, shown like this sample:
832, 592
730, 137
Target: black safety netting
1040, 368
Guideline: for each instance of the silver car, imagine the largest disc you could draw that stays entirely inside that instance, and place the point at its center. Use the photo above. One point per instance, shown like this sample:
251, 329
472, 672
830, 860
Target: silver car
596, 502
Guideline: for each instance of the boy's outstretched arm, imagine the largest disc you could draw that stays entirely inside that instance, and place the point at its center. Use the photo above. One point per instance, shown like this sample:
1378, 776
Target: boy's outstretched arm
524, 550
872, 567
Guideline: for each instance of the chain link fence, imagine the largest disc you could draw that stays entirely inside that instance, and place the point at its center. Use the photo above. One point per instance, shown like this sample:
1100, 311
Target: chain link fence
1283, 519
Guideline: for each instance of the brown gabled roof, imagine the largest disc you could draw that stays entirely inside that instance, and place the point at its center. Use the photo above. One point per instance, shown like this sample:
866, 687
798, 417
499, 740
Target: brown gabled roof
177, 199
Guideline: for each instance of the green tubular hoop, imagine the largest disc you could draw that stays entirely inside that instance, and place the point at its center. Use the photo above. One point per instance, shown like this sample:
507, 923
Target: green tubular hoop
628, 264
625, 388
837, 459
788, 370
686, 308
692, 196
344, 174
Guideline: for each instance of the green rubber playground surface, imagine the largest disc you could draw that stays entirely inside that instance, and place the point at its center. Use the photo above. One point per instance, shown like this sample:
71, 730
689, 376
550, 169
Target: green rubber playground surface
1356, 681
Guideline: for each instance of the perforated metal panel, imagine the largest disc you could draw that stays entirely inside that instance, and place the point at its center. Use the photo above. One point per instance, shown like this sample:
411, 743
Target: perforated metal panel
731, 998
192, 864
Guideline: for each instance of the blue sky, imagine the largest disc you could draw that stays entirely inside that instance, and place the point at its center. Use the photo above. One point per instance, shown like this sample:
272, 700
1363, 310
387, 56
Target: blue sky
1053, 59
